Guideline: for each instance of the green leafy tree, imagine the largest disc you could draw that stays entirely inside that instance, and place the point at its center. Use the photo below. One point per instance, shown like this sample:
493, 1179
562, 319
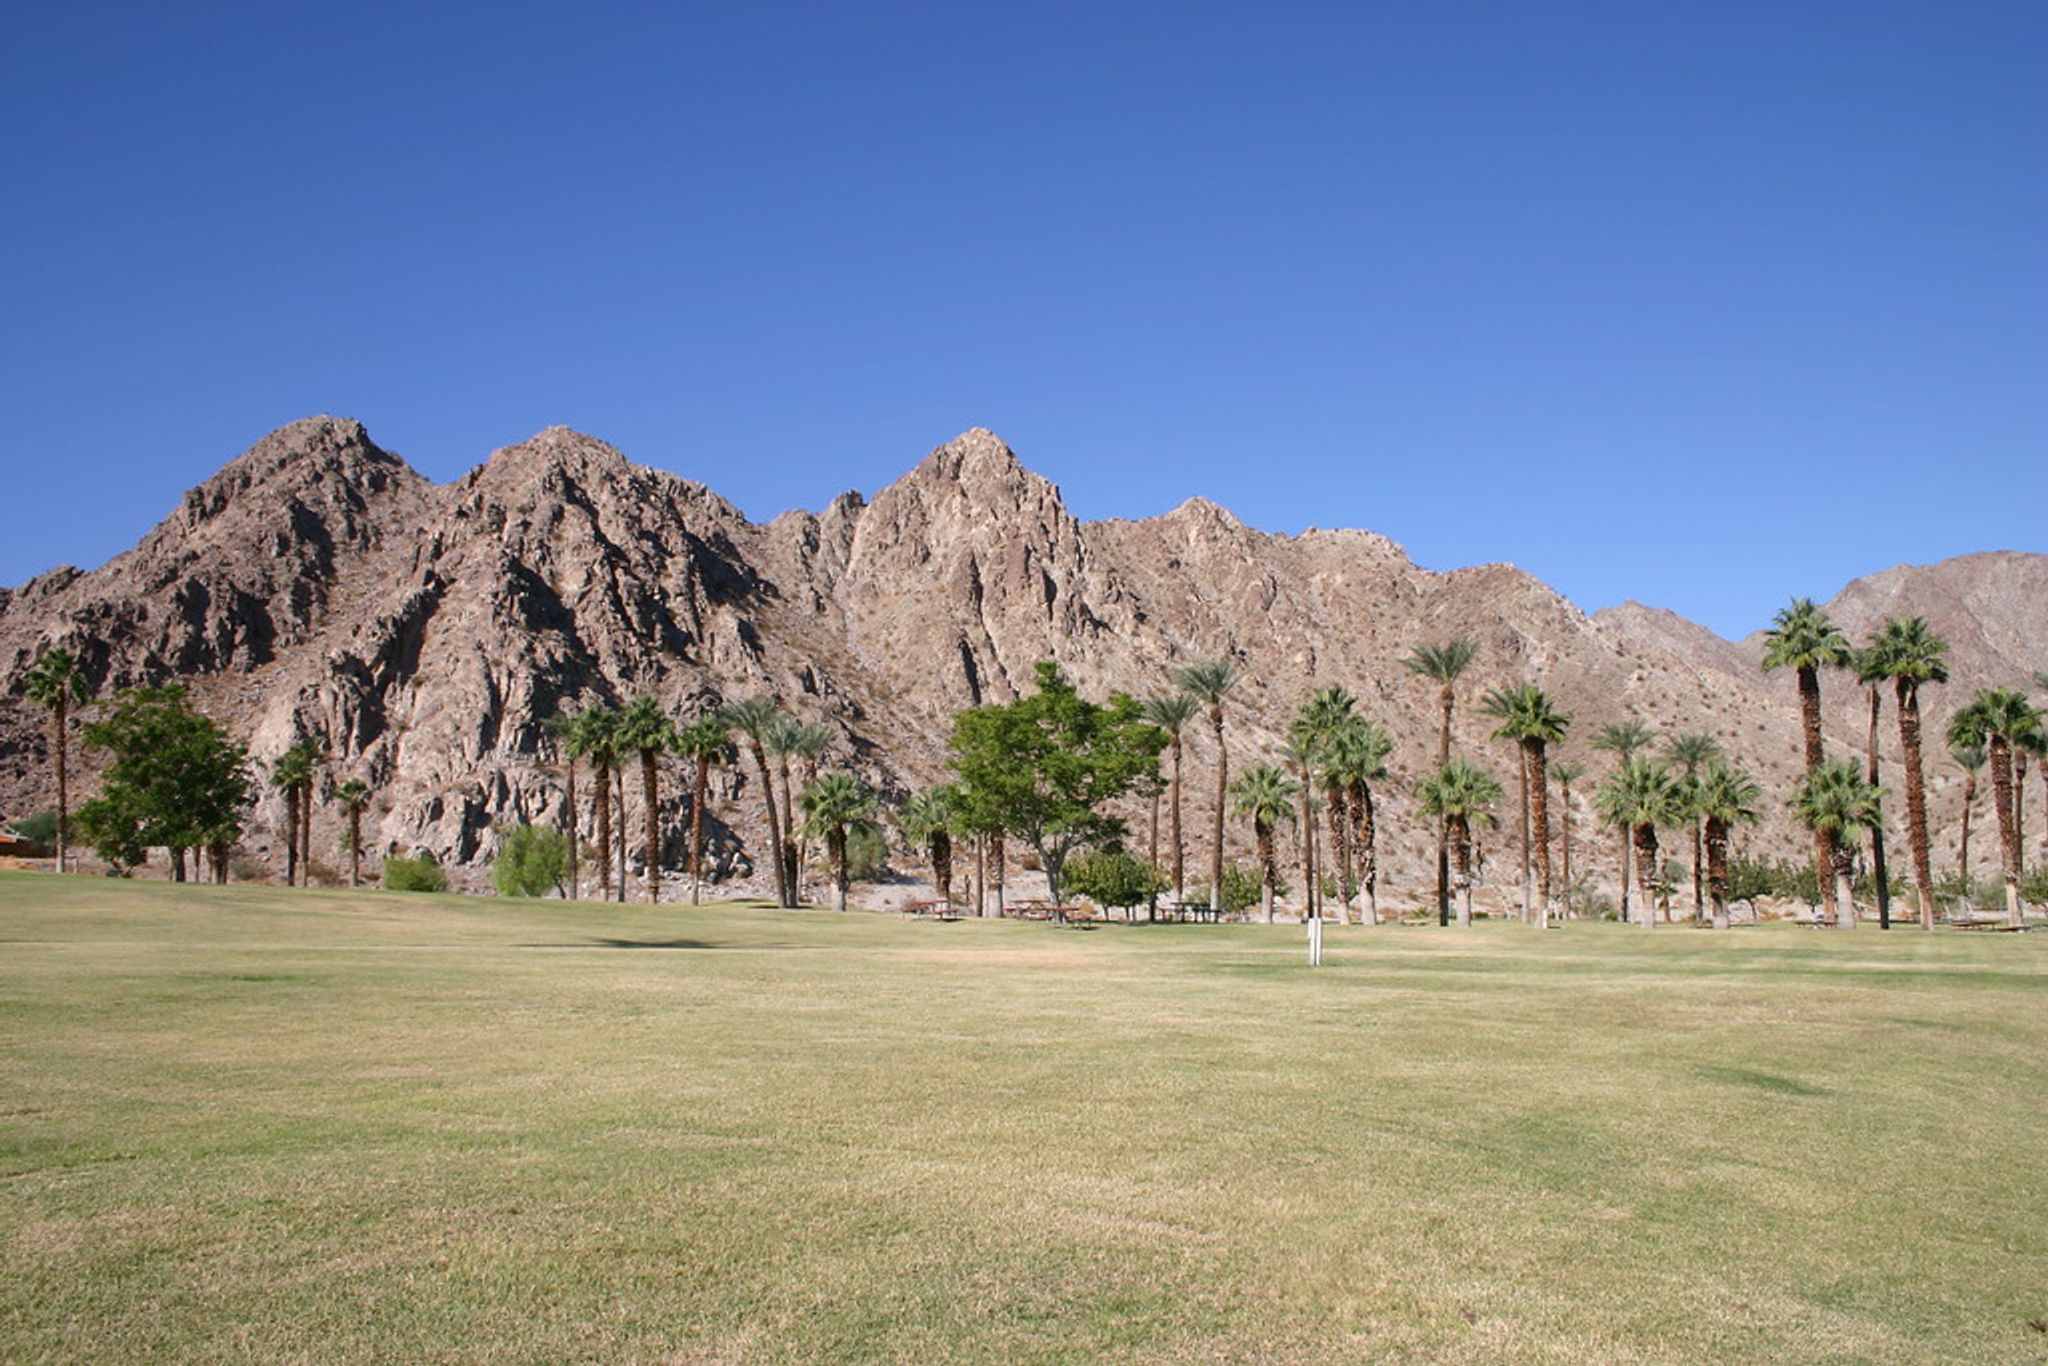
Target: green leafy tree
1637, 798
1907, 651
645, 731
1112, 877
1623, 739
1045, 766
754, 719
1443, 664
927, 820
353, 796
57, 683
1264, 795
1838, 801
1801, 638
1208, 682
175, 782
1461, 796
833, 807
40, 828
706, 743
1172, 713
1721, 797
1528, 717
531, 862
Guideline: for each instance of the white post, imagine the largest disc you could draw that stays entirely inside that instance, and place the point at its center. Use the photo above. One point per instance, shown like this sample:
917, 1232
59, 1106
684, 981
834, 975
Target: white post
1315, 941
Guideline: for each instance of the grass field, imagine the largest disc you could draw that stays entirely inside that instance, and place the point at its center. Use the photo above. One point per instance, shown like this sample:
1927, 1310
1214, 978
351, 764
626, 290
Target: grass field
263, 1124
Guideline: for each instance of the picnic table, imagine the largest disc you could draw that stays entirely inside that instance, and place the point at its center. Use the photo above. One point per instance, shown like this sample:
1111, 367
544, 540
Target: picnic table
1041, 910
1184, 911
940, 909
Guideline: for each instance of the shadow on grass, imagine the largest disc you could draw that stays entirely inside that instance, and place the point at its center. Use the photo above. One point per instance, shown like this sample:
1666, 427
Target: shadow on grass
1762, 1081
655, 944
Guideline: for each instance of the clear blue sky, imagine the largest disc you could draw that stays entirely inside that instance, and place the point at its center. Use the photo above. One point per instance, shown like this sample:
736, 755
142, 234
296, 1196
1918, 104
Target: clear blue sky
1702, 304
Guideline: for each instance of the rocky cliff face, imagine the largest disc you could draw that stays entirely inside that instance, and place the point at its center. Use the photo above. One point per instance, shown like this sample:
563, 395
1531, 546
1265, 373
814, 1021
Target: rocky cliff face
422, 634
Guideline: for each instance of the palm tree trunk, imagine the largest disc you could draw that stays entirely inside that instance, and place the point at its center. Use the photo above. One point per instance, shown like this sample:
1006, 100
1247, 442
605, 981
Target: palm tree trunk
1963, 860
1222, 800
1152, 839
1539, 819
1698, 888
59, 715
355, 847
1368, 852
1908, 697
1445, 699
996, 860
1645, 867
837, 839
603, 802
786, 851
1311, 904
650, 797
291, 835
1564, 848
1340, 840
1717, 871
1459, 838
1627, 868
619, 829
2019, 805
306, 832
575, 892
700, 786
1269, 872
942, 866
1180, 870
774, 825
1809, 729
1528, 854
2008, 830
1877, 871
980, 875
177, 853
1844, 883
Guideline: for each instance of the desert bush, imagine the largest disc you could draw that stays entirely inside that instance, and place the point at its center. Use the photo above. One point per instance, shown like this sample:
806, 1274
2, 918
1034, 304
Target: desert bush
531, 862
1111, 877
419, 874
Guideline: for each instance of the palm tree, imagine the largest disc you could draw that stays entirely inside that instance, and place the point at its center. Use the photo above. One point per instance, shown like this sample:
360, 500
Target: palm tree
1442, 664
835, 807
704, 742
1171, 713
1566, 772
753, 717
927, 822
1299, 757
1722, 797
1460, 795
1691, 753
1356, 760
1314, 732
1997, 720
1802, 639
1869, 666
293, 775
593, 736
1527, 717
1622, 739
645, 730
1637, 798
1207, 682
55, 682
1906, 651
1970, 758
353, 795
790, 739
1264, 795
562, 725
1838, 801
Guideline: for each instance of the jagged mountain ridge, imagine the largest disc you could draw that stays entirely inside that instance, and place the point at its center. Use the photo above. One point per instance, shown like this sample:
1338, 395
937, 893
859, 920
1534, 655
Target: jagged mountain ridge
423, 632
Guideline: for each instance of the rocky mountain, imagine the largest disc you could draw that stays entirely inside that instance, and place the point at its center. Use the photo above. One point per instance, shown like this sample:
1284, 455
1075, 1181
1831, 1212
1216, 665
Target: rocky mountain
422, 633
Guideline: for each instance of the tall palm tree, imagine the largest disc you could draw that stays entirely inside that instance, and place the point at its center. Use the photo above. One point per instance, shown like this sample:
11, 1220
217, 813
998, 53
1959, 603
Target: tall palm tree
834, 808
1529, 718
1442, 663
704, 742
1997, 720
594, 737
1838, 800
1801, 638
293, 775
1207, 682
1689, 754
1314, 731
1970, 758
752, 718
646, 730
1299, 756
1566, 772
1906, 651
2029, 744
56, 683
1722, 797
1622, 739
1869, 666
1637, 798
927, 822
562, 725
353, 796
1171, 713
1356, 760
1460, 795
1264, 795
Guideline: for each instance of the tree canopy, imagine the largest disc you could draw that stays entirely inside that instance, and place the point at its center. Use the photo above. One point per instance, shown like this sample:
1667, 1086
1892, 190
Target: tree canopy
176, 781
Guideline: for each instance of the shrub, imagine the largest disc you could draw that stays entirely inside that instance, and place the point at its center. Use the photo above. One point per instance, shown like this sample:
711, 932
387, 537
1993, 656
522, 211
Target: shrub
40, 828
1240, 889
531, 861
867, 854
420, 874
